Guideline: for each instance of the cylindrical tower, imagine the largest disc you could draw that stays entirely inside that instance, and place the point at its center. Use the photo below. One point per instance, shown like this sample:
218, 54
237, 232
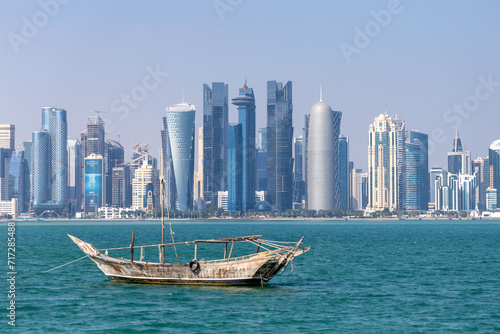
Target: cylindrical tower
40, 168
322, 151
180, 131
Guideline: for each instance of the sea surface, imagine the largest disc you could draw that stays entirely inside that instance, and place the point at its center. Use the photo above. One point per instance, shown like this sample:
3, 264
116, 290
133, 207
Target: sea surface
358, 277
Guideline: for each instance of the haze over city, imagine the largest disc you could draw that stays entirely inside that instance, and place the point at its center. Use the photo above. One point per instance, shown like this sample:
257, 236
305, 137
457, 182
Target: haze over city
417, 62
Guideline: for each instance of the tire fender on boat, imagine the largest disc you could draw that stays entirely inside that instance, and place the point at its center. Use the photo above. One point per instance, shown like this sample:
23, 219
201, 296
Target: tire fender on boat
194, 265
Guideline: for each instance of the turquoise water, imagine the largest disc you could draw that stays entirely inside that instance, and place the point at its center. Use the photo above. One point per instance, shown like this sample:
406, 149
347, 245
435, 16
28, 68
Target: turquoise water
359, 277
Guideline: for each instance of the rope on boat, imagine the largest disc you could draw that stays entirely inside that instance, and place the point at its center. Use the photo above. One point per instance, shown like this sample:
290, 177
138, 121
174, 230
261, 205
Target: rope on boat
46, 271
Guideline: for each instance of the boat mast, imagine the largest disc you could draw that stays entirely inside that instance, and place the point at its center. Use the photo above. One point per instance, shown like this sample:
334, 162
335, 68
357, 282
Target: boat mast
162, 181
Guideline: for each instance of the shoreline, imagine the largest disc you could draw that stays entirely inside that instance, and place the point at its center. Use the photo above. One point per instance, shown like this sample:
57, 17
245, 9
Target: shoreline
308, 219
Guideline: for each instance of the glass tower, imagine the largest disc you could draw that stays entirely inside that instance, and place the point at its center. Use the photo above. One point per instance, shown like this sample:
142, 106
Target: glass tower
215, 120
235, 158
178, 155
494, 159
298, 161
417, 171
279, 144
50, 159
40, 168
246, 117
344, 174
18, 183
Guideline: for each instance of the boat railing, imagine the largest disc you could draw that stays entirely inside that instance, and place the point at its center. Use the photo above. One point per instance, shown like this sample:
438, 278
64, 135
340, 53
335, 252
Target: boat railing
273, 247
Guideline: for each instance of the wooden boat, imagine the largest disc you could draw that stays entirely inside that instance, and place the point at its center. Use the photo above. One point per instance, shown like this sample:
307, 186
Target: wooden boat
252, 269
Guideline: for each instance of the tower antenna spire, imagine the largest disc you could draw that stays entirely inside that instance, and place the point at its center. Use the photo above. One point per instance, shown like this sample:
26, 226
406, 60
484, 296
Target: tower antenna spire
321, 92
182, 94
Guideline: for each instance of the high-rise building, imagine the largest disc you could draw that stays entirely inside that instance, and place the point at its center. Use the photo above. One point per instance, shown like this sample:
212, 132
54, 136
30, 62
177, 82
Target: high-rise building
323, 191
40, 169
417, 171
305, 158
95, 183
246, 117
92, 141
5, 156
344, 172
386, 162
215, 121
114, 156
298, 170
8, 136
279, 144
198, 177
359, 190
145, 181
481, 168
74, 175
18, 186
235, 161
121, 197
494, 159
459, 161
51, 162
434, 174
178, 155
261, 165
299, 184
262, 139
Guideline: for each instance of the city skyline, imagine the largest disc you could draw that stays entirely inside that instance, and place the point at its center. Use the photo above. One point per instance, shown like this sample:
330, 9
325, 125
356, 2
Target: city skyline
425, 76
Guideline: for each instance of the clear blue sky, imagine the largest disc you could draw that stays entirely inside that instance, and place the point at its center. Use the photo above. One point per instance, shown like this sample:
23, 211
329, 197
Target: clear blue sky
427, 57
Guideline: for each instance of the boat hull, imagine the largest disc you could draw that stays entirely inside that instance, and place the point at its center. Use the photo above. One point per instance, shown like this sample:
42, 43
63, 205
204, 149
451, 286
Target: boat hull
255, 269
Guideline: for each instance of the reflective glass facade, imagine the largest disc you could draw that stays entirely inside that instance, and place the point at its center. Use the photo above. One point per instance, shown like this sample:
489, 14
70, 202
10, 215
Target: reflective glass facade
344, 174
179, 136
420, 196
215, 120
18, 183
235, 158
246, 117
279, 144
494, 160
50, 162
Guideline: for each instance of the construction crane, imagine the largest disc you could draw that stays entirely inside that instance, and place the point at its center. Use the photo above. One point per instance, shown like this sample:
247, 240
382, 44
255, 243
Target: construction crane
101, 112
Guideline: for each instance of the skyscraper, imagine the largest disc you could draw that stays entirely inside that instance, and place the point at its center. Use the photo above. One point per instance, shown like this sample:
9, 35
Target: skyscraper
344, 172
235, 161
279, 144
95, 183
18, 182
323, 191
359, 192
386, 161
121, 196
246, 117
459, 161
434, 174
494, 157
215, 120
8, 136
40, 169
92, 140
178, 155
114, 156
75, 175
298, 170
481, 167
198, 179
146, 179
51, 162
417, 171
